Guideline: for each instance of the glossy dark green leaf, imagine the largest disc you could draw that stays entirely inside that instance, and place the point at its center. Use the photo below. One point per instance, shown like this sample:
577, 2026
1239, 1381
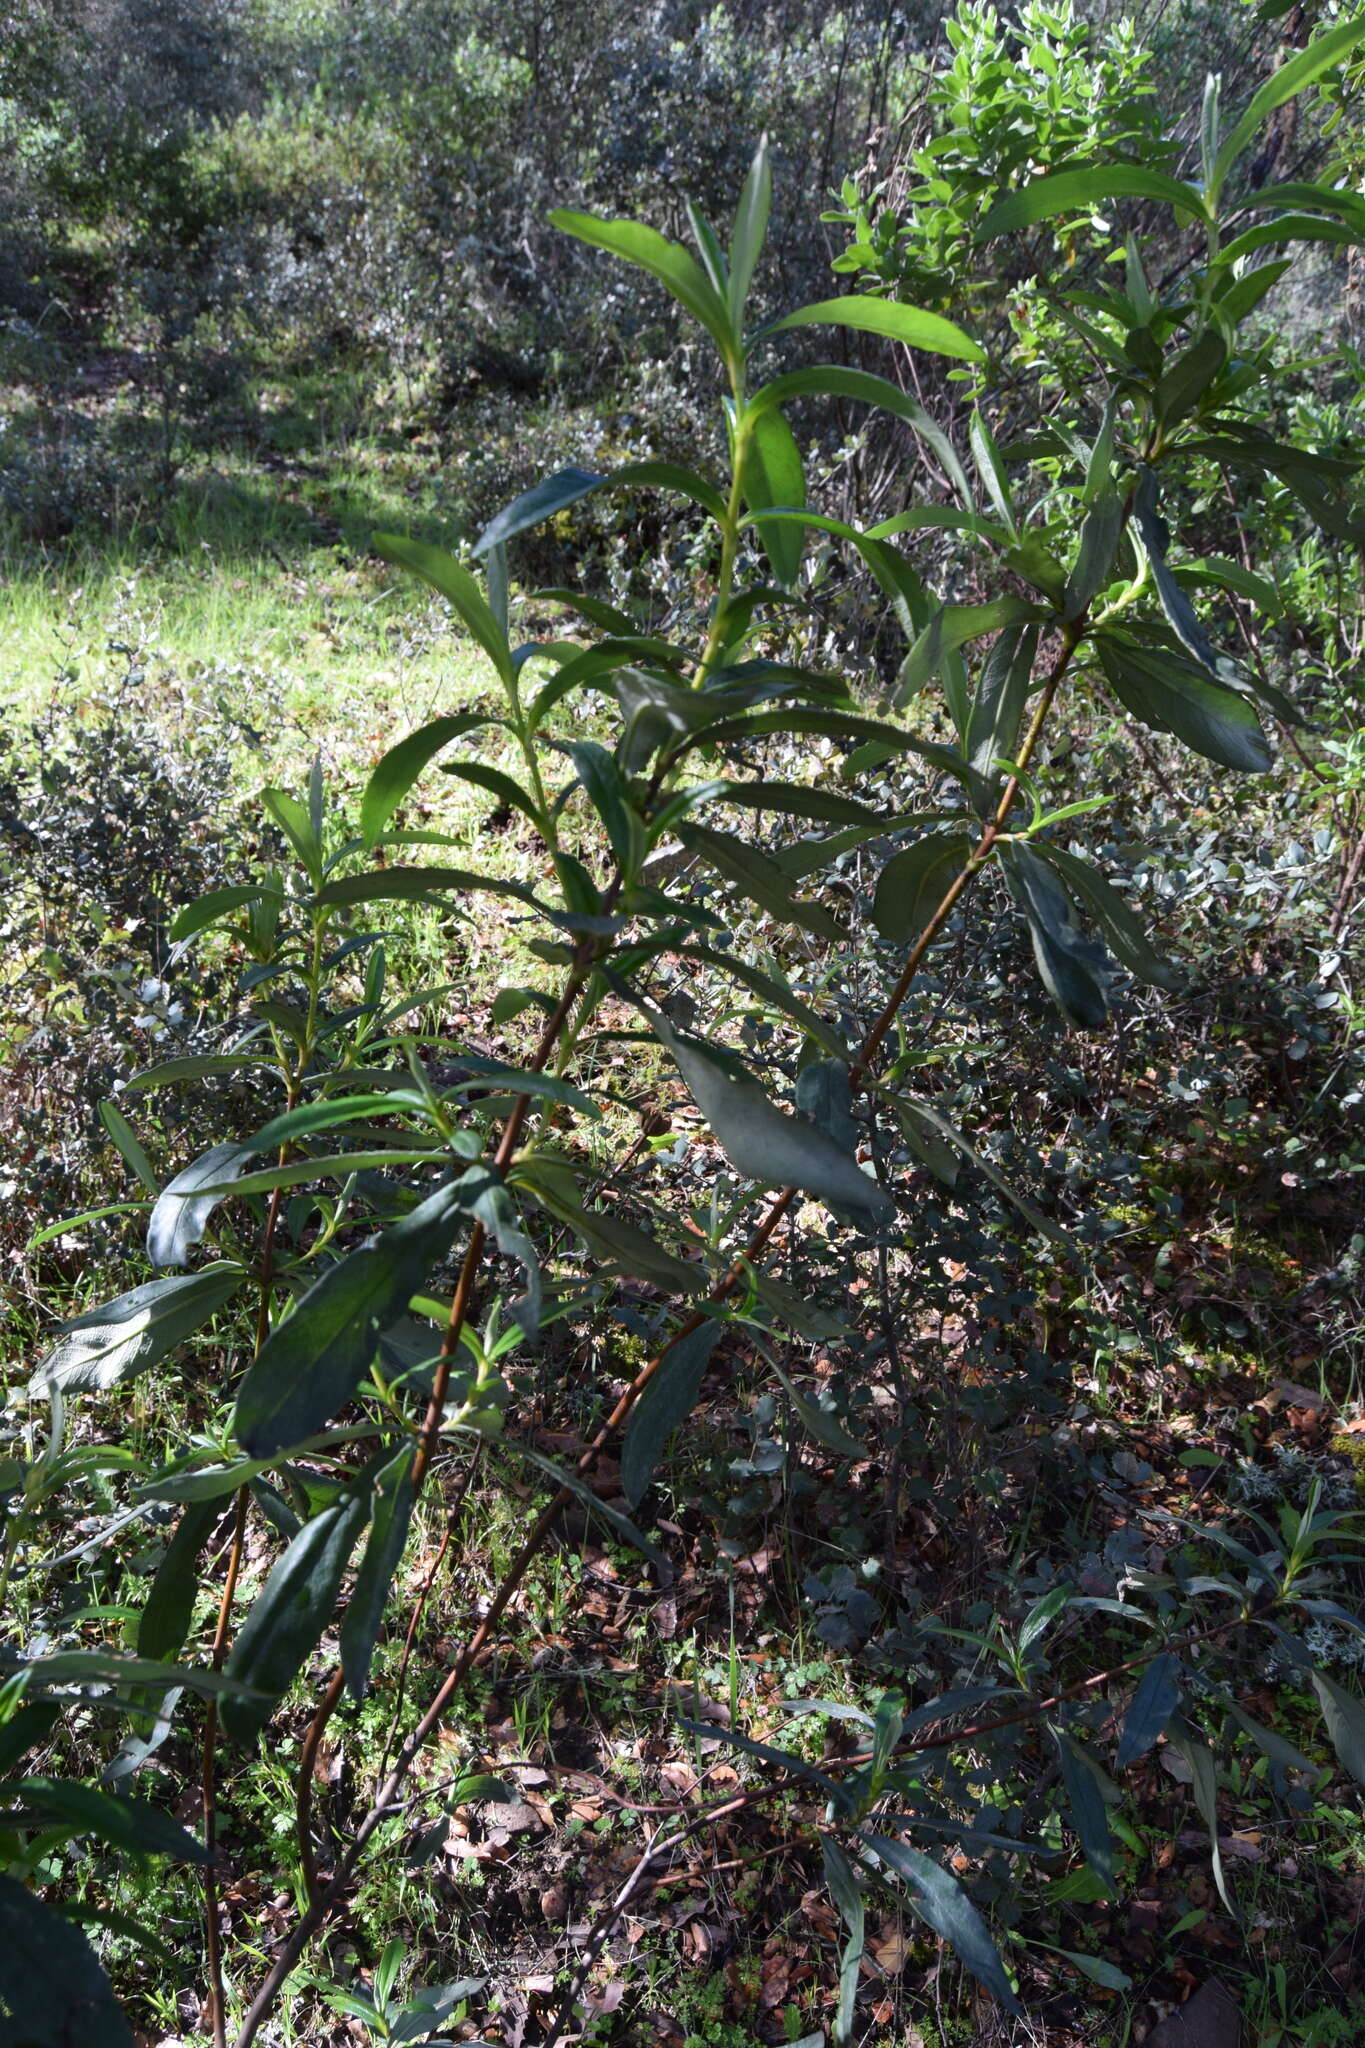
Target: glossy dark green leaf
1344, 1716
1174, 600
991, 469
1001, 694
131, 1824
912, 884
208, 910
108, 1345
1168, 692
797, 800
842, 1881
927, 331
663, 1407
1269, 1741
1085, 1795
419, 885
773, 475
954, 626
498, 784
553, 494
66, 1669
53, 1991
1291, 78
562, 1475
168, 1609
1183, 385
297, 823
670, 476
830, 380
749, 232
312, 1362
126, 1145
393, 1497
1155, 1700
455, 584
1070, 964
1082, 192
1127, 940
200, 1067
622, 1246
488, 1199
287, 1618
940, 1900
761, 1141
183, 1209
758, 878
774, 992
678, 272
1094, 564
1204, 1786
609, 797
820, 1422
402, 765
25, 1730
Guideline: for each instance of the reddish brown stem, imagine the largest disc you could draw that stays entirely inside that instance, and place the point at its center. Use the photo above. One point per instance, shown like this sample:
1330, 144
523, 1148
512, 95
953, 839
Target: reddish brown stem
320, 1904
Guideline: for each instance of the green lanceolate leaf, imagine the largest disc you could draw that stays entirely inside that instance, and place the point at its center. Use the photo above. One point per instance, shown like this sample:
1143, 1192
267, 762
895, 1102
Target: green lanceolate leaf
762, 1142
1079, 192
488, 1199
775, 992
553, 494
393, 1497
1071, 965
183, 1209
207, 910
796, 800
953, 626
842, 1881
455, 584
286, 1621
669, 476
1001, 694
1291, 78
609, 797
912, 884
52, 1989
773, 475
927, 331
108, 1345
758, 878
575, 1484
663, 1407
1344, 1715
134, 1825
1094, 564
940, 1900
992, 472
678, 272
1174, 601
749, 232
1184, 384
168, 1611
830, 380
1127, 940
297, 822
1156, 1699
620, 1245
1166, 691
419, 885
1085, 1789
312, 1362
1204, 1786
402, 765
127, 1146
